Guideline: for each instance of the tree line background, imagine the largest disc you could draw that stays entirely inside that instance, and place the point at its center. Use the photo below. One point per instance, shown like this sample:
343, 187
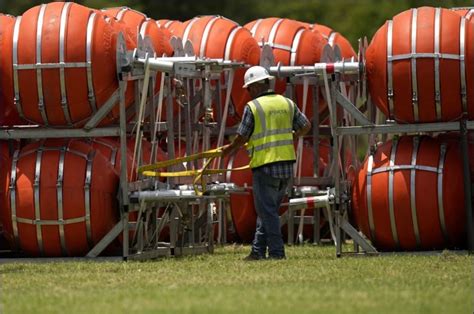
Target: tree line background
353, 19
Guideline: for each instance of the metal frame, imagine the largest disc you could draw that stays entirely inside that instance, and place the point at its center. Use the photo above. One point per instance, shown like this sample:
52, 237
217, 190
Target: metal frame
330, 75
191, 216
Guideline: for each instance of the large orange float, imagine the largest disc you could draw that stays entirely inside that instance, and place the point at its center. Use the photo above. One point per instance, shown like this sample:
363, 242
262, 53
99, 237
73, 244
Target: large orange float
420, 66
409, 196
58, 198
218, 37
334, 38
8, 113
465, 12
63, 64
139, 23
170, 25
292, 44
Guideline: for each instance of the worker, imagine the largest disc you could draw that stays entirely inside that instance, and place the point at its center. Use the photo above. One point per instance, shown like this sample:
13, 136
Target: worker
270, 124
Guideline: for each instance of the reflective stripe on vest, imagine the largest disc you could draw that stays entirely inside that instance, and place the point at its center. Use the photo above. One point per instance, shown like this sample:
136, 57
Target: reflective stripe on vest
272, 138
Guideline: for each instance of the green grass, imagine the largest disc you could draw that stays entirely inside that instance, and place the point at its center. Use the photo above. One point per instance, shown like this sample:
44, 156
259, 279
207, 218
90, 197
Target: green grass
311, 280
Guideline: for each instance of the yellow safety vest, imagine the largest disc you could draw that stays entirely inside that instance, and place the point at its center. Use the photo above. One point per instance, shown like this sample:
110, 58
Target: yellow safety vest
272, 137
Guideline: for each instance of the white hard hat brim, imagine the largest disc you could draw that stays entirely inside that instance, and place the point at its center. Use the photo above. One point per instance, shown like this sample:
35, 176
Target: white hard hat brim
255, 80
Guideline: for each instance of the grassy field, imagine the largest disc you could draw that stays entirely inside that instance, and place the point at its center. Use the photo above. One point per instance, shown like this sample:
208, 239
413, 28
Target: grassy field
311, 280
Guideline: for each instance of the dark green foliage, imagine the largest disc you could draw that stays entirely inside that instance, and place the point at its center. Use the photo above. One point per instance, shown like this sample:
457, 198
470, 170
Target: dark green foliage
351, 18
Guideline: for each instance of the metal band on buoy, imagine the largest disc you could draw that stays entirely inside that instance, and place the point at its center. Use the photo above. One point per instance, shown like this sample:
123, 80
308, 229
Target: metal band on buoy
230, 41
390, 94
16, 85
414, 213
255, 27
90, 85
441, 212
391, 205
462, 65
294, 46
62, 37
370, 211
36, 196
437, 36
87, 196
205, 36
59, 195
414, 78
12, 189
39, 79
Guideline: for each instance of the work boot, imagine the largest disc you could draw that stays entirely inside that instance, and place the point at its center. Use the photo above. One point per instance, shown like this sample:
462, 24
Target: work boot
253, 257
277, 257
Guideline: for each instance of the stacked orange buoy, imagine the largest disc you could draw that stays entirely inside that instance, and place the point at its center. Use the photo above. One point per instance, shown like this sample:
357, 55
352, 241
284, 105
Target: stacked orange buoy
464, 12
170, 25
8, 113
60, 64
334, 38
292, 44
139, 24
408, 195
221, 38
58, 198
420, 66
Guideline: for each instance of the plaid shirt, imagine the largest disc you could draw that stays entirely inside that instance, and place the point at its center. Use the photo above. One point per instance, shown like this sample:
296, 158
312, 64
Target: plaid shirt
281, 169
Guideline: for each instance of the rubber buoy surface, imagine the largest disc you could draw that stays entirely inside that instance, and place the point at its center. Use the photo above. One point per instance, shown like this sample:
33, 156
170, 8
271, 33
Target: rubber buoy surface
58, 198
408, 196
420, 66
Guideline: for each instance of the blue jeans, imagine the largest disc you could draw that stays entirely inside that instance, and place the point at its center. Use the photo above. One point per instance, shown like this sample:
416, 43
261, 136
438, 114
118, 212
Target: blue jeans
268, 193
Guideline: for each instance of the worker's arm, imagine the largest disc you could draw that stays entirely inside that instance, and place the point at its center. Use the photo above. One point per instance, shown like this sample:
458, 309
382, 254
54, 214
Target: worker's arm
236, 144
303, 130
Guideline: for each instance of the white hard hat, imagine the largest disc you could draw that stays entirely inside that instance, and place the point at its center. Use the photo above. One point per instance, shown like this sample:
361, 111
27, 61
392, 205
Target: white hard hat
256, 74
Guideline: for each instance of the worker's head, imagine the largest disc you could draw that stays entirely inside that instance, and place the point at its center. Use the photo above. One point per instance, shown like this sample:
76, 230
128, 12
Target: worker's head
257, 80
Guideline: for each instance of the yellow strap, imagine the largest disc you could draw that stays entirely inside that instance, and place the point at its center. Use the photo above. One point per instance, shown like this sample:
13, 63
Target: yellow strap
163, 164
150, 170
190, 173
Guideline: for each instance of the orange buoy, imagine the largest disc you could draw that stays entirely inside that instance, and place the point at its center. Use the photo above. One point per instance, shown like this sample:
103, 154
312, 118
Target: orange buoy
242, 207
8, 113
110, 149
170, 25
218, 37
63, 64
58, 198
334, 38
139, 23
467, 12
455, 138
420, 66
292, 44
408, 195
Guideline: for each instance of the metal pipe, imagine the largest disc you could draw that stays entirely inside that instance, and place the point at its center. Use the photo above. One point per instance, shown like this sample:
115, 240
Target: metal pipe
320, 201
318, 68
163, 195
166, 64
29, 132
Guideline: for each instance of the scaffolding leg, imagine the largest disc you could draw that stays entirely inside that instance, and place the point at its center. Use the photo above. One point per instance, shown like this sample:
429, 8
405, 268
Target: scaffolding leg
106, 240
467, 186
317, 226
